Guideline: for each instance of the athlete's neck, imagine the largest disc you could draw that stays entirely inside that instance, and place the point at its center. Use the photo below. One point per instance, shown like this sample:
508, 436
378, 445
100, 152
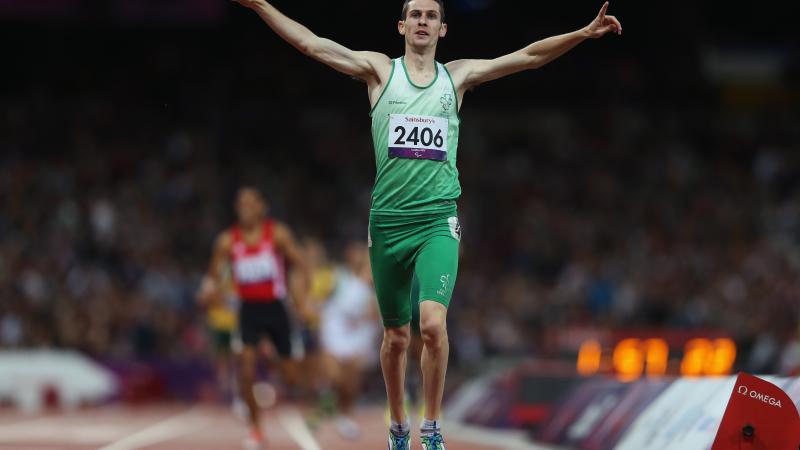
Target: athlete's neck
250, 227
420, 61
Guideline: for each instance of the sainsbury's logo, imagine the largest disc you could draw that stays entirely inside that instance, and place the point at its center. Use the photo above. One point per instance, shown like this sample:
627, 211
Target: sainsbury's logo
422, 120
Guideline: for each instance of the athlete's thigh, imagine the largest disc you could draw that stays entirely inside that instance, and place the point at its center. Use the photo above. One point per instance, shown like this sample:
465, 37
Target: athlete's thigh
249, 324
392, 283
277, 326
437, 268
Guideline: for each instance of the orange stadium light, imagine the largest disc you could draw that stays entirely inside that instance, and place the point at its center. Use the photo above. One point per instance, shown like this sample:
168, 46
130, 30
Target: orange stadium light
721, 361
632, 357
696, 353
657, 356
628, 359
589, 357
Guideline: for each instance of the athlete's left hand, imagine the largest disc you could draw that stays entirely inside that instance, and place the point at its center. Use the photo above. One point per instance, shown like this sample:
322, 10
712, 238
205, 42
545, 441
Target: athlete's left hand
307, 313
208, 294
603, 24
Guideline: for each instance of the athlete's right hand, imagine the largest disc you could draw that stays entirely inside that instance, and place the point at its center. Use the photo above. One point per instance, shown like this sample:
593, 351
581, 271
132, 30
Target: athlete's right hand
209, 293
603, 24
252, 4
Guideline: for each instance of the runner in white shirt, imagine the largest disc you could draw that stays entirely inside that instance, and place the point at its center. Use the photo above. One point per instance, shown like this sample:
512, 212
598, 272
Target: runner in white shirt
349, 332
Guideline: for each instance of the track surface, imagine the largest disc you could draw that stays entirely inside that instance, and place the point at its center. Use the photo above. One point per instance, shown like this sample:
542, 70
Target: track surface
191, 427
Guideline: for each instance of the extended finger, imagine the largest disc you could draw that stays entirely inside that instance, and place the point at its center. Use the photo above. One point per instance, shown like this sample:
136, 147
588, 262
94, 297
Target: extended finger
603, 10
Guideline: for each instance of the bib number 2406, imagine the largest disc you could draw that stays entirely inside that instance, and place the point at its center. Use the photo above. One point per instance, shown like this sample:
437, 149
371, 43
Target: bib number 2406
418, 137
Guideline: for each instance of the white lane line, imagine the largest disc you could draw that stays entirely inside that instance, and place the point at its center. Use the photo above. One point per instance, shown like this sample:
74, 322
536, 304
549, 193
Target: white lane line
293, 422
167, 429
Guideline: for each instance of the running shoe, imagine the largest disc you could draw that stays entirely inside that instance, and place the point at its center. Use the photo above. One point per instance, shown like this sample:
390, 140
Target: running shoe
399, 442
434, 441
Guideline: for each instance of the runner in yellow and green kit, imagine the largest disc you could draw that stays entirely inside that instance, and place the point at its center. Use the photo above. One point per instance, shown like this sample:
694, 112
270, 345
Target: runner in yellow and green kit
414, 228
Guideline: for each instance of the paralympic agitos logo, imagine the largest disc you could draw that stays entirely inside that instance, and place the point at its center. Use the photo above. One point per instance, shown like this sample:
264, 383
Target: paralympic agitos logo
755, 395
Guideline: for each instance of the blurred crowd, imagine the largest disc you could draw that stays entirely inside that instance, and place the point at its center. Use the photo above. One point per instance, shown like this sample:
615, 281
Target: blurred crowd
574, 215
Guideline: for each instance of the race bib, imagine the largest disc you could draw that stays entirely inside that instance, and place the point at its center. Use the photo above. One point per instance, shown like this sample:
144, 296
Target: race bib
255, 269
418, 137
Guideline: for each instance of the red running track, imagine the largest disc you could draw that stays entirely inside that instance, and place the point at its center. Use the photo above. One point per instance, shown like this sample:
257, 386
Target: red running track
191, 427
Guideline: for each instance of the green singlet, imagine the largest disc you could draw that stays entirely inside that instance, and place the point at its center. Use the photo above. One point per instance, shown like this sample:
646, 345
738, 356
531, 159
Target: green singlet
415, 135
414, 228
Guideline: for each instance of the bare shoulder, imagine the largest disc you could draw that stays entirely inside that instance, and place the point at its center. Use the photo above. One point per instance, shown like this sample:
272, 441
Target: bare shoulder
284, 240
378, 59
459, 70
381, 64
281, 231
458, 66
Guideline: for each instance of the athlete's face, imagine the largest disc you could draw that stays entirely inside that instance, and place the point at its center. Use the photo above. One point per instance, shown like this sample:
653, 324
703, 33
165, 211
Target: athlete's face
423, 25
250, 207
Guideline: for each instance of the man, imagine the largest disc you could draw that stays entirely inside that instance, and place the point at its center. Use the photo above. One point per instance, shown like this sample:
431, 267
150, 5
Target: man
219, 305
256, 248
348, 332
322, 284
413, 224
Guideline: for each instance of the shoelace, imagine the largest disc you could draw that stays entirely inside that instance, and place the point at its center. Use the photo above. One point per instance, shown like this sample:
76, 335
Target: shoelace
401, 441
435, 439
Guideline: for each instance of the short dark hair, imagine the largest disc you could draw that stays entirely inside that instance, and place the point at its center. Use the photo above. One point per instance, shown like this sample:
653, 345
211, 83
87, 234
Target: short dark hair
405, 9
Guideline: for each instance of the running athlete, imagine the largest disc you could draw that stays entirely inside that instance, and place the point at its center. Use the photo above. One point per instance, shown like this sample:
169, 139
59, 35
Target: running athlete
256, 247
413, 227
218, 303
348, 333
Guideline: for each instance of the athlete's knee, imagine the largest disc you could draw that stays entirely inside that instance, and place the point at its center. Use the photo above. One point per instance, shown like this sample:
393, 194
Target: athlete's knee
433, 325
247, 363
433, 332
397, 340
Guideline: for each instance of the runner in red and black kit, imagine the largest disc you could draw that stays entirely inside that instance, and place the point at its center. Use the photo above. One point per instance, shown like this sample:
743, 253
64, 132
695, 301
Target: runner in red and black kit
260, 277
257, 249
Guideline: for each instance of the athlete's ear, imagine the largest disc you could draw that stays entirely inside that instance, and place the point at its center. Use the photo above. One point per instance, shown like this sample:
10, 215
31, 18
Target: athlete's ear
443, 30
401, 27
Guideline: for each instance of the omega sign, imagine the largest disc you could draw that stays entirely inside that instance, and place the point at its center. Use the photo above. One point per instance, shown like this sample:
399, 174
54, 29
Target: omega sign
747, 392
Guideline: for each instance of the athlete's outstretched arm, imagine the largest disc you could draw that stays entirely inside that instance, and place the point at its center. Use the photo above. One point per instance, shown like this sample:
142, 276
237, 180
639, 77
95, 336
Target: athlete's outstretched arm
363, 65
468, 73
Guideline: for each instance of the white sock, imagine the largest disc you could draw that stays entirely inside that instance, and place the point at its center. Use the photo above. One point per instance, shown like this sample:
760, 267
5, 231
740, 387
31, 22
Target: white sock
430, 427
400, 429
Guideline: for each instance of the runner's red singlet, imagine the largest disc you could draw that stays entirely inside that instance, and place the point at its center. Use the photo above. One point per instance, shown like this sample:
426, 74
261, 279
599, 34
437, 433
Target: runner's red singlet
259, 271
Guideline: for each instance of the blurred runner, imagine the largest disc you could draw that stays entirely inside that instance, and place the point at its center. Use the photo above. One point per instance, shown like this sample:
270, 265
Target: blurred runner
257, 249
349, 329
220, 305
323, 282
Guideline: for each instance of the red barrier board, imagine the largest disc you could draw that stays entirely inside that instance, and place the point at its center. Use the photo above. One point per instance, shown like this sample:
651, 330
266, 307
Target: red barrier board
759, 416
